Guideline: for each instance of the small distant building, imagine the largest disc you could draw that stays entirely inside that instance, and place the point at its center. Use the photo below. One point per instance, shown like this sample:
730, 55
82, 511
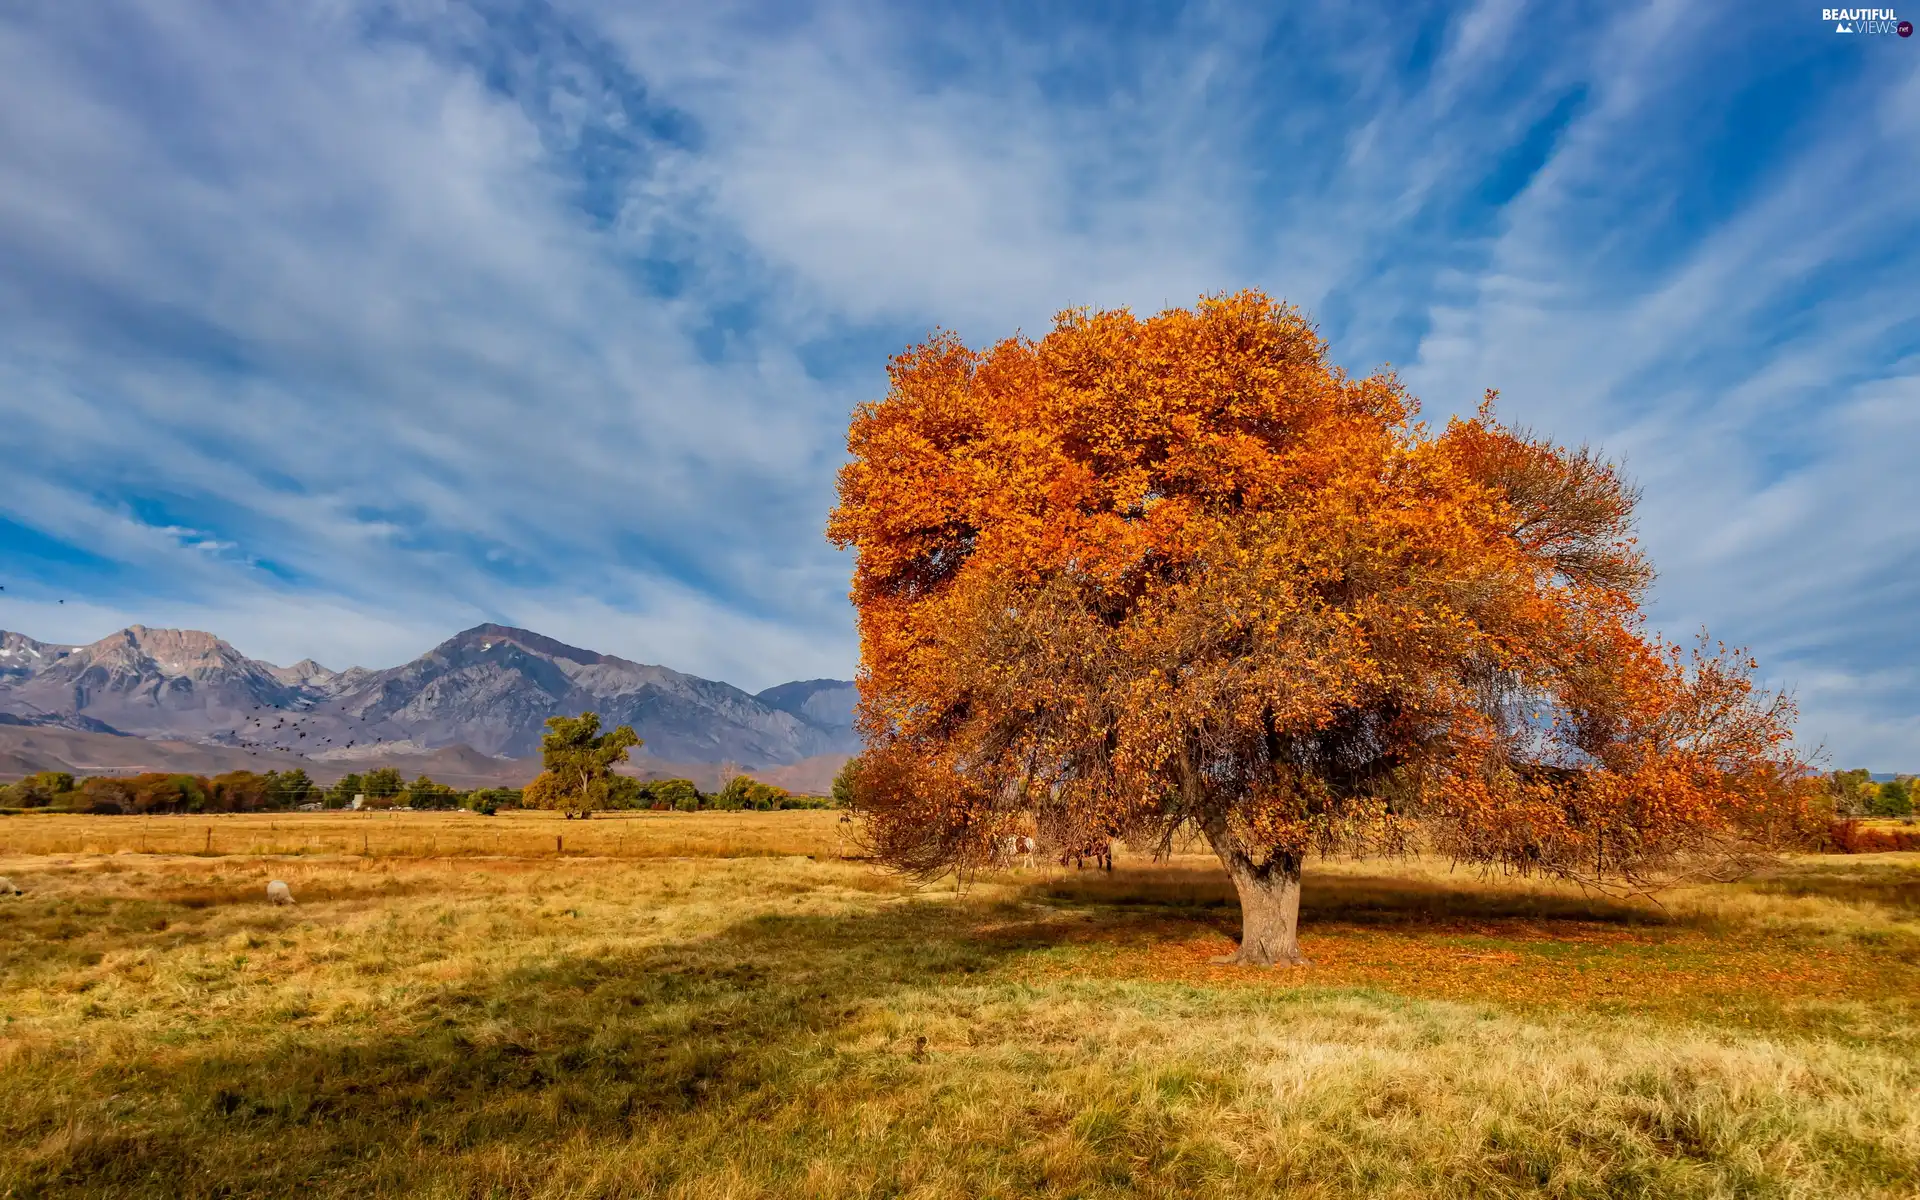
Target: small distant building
359, 802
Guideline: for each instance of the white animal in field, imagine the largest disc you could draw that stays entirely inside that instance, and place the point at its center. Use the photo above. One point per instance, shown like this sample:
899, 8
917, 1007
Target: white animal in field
279, 893
7, 888
1010, 848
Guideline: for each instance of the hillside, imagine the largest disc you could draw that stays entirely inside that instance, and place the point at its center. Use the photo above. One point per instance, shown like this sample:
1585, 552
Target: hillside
489, 688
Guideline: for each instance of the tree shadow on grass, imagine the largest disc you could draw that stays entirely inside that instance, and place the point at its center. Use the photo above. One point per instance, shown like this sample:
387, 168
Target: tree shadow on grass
592, 1047
484, 1076
1203, 894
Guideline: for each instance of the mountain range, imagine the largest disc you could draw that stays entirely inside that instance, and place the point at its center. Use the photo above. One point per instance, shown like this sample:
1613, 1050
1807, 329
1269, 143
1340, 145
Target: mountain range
490, 689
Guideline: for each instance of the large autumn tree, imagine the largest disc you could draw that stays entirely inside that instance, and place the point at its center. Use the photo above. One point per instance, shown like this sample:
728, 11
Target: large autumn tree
578, 761
1182, 573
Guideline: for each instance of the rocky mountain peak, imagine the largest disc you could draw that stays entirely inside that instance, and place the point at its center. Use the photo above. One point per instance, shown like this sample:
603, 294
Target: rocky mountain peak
173, 652
152, 682
305, 673
20, 655
490, 637
827, 703
491, 688
21, 660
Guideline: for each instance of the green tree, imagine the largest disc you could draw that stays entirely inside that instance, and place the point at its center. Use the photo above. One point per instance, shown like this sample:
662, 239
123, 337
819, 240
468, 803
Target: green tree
766, 797
38, 790
342, 793
1893, 798
1851, 791
734, 794
383, 781
843, 783
678, 794
626, 792
291, 788
746, 792
425, 793
487, 801
579, 762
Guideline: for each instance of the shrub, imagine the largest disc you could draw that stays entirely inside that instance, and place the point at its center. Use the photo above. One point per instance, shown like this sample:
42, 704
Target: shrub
1858, 837
240, 791
156, 792
809, 802
488, 801
39, 791
107, 796
23, 795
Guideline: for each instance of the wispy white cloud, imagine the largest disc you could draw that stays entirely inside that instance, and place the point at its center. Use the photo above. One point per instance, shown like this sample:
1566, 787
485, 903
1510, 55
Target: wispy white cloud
1756, 371
878, 191
357, 330
334, 328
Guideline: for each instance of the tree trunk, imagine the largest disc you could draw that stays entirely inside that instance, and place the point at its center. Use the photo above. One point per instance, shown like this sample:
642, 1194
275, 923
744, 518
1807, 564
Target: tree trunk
1269, 904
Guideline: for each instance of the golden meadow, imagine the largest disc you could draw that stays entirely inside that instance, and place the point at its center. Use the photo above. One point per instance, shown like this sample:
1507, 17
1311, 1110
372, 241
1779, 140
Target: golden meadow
723, 1005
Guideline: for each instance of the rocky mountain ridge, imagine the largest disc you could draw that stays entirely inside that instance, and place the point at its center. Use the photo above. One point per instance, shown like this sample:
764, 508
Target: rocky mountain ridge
491, 688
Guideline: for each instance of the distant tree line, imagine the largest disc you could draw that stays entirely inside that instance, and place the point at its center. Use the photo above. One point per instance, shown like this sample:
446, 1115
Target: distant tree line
1855, 794
233, 791
382, 788
681, 795
578, 779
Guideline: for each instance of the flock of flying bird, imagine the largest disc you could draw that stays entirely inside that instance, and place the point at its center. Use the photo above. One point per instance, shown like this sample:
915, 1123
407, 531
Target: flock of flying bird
256, 747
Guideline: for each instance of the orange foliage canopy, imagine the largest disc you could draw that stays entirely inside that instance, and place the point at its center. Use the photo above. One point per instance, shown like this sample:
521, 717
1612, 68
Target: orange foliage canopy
1182, 571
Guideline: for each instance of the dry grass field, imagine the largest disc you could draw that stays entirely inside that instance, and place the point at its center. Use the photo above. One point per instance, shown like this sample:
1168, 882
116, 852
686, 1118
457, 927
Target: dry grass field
717, 1005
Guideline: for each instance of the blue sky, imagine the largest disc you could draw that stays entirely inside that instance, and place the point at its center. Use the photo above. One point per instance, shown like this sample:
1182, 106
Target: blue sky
335, 327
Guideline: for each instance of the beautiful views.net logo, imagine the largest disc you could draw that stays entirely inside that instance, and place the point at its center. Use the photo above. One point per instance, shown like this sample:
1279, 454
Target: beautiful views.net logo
1866, 20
